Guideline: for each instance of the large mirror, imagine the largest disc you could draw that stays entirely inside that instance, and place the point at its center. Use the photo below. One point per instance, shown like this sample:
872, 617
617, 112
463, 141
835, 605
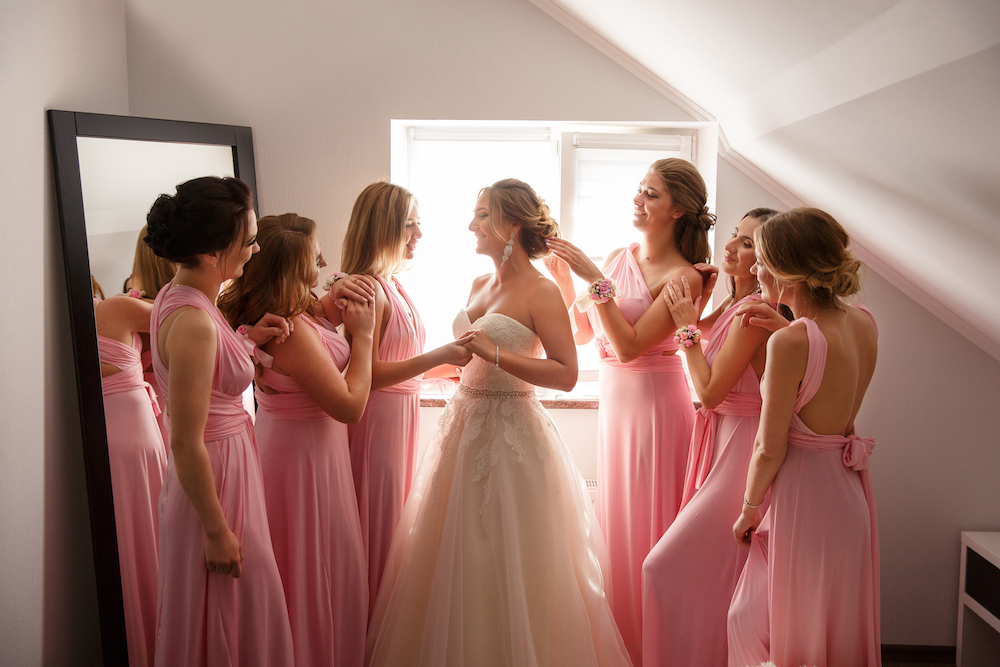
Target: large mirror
108, 172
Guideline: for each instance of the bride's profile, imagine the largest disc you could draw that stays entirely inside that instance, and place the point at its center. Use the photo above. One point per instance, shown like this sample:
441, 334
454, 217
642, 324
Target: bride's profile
498, 558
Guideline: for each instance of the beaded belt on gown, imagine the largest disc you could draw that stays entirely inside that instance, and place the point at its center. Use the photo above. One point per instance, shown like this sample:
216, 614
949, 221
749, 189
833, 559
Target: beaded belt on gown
495, 393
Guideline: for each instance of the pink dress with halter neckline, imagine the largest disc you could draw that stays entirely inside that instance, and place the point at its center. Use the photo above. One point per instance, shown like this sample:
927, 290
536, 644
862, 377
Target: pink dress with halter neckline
205, 618
138, 460
312, 512
644, 428
690, 575
809, 593
384, 442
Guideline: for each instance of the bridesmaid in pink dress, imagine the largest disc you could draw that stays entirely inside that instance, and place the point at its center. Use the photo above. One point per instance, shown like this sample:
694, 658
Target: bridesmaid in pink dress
809, 593
690, 575
220, 595
646, 412
138, 460
149, 274
304, 399
381, 238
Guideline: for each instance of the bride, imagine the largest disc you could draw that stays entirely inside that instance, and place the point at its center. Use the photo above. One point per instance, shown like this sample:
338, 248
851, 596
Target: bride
498, 558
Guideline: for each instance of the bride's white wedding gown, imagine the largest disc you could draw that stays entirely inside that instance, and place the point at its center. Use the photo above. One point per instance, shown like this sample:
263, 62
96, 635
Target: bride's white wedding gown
498, 558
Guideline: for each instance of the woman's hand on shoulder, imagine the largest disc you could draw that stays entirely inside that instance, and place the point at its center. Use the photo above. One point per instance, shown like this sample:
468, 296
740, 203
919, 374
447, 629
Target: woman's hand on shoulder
269, 327
709, 277
359, 317
684, 309
760, 314
355, 287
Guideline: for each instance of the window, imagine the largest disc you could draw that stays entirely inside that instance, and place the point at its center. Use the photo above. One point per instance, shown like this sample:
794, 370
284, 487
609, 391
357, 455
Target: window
586, 172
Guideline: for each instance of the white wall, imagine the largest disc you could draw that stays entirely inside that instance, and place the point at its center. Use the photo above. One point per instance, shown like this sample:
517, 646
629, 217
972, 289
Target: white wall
62, 54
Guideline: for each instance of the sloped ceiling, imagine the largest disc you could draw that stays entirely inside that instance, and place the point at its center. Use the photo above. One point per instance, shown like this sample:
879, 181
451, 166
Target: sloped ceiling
884, 113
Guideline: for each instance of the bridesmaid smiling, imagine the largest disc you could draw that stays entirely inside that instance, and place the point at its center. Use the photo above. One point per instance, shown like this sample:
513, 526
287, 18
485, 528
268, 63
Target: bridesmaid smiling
646, 414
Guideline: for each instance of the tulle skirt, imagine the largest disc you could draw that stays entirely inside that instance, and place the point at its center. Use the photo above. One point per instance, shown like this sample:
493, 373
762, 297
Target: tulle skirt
498, 558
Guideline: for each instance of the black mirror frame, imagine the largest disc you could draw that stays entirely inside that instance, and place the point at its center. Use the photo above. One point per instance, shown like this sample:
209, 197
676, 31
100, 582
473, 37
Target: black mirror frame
64, 128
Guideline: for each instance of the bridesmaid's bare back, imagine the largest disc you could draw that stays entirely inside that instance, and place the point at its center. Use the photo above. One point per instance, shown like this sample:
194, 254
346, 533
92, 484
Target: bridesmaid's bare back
852, 347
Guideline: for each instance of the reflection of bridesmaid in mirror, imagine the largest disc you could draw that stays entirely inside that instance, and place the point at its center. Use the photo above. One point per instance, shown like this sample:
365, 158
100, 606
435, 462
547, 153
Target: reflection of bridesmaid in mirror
304, 400
220, 595
149, 274
381, 238
138, 460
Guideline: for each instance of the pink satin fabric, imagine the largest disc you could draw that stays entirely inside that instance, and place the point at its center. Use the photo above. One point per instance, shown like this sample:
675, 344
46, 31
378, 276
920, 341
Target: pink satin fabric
690, 575
211, 619
313, 516
384, 443
138, 460
644, 427
810, 591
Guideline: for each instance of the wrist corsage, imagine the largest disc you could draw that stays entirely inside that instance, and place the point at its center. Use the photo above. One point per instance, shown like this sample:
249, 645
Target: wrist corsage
687, 336
599, 291
136, 293
337, 275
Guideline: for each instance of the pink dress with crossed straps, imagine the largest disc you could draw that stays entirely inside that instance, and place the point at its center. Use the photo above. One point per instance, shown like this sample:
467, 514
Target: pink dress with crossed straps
138, 459
690, 575
384, 442
207, 618
644, 428
312, 511
809, 594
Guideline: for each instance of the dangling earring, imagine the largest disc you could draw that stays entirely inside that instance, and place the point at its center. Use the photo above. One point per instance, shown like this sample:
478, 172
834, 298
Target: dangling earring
508, 249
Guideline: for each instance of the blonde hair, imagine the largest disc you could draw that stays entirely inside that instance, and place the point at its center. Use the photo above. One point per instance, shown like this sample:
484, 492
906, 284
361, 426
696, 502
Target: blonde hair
688, 192
807, 245
373, 244
517, 203
149, 271
278, 279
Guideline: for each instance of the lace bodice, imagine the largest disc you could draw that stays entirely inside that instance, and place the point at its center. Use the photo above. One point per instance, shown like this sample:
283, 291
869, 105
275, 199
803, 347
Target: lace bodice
509, 334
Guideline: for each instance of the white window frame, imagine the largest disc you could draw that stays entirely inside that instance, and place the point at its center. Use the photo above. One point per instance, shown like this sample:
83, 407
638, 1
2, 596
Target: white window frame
700, 139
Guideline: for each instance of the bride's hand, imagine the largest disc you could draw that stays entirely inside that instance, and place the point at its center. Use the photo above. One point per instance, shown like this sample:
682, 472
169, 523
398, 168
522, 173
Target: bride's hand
479, 344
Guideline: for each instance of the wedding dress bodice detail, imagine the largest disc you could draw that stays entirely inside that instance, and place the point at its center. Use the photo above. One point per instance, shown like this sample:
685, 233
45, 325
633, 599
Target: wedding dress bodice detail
481, 375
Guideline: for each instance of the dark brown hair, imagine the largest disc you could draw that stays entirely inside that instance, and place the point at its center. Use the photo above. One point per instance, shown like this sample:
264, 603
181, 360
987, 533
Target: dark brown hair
278, 279
207, 214
688, 192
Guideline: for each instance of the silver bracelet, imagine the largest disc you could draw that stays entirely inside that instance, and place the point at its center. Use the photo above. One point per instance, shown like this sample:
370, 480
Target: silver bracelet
747, 503
498, 357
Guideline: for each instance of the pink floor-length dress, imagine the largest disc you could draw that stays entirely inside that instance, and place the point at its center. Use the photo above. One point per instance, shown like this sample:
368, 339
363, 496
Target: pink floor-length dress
643, 432
149, 376
384, 442
138, 461
690, 575
809, 594
213, 619
312, 511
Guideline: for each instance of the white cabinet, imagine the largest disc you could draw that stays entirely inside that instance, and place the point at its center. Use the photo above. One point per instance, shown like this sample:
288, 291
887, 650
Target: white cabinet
979, 601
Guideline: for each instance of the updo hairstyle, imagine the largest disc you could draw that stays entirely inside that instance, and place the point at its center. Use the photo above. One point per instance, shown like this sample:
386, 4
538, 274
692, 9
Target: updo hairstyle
149, 272
207, 214
688, 192
373, 244
278, 279
517, 203
806, 245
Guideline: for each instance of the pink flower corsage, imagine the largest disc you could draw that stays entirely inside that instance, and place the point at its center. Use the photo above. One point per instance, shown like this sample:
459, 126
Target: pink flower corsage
136, 293
688, 336
243, 330
602, 291
337, 275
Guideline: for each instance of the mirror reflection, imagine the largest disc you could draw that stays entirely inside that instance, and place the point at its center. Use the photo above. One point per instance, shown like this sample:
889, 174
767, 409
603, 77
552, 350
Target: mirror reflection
120, 180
